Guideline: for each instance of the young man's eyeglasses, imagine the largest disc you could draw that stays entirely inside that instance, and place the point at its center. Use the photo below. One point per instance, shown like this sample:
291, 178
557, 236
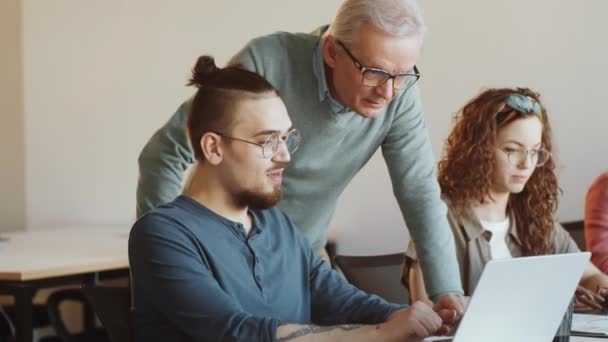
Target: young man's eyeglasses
538, 157
376, 77
270, 146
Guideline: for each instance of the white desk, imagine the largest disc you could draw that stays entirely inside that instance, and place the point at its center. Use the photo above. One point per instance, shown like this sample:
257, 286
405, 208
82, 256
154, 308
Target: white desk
37, 259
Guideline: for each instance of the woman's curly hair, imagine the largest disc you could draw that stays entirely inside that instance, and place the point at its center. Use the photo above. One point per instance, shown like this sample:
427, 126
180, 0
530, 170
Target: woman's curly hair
465, 172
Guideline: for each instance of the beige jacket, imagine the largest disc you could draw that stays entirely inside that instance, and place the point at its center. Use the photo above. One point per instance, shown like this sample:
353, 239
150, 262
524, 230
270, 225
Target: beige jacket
473, 246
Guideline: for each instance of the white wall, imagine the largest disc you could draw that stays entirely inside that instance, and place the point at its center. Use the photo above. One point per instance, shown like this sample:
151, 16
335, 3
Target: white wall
12, 163
100, 77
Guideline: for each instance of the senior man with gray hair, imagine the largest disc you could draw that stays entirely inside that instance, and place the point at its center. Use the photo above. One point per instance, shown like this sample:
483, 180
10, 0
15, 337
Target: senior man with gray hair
350, 89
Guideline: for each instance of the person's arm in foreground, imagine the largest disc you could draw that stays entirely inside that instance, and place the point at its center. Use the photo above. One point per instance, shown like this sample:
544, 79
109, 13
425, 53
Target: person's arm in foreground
416, 284
410, 161
418, 293
412, 324
592, 292
593, 278
335, 301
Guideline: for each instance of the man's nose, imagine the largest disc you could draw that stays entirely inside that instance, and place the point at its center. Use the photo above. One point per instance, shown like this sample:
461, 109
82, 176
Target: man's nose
386, 90
282, 154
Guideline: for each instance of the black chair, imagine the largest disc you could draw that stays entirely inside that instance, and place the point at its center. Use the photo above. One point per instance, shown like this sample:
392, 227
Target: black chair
6, 330
54, 302
377, 274
110, 304
40, 319
113, 308
577, 231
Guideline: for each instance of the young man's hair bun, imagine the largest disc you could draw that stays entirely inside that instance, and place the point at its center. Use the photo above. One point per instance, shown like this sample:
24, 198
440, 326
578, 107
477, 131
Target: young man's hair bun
203, 70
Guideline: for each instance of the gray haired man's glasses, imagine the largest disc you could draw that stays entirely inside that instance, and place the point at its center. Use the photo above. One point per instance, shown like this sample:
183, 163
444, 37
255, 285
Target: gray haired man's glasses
376, 77
270, 146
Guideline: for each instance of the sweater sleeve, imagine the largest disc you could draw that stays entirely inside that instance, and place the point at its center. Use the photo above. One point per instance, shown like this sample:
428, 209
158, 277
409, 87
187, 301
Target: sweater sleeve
163, 162
409, 157
596, 222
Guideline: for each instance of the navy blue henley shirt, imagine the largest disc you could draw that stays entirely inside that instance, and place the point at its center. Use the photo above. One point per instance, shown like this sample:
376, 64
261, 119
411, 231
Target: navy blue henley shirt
198, 277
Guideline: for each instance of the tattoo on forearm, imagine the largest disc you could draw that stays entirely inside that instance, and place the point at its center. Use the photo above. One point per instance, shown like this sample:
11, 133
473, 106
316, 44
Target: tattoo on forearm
315, 329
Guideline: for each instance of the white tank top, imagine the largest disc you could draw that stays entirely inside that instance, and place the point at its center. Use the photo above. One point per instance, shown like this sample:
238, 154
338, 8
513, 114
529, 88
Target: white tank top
498, 243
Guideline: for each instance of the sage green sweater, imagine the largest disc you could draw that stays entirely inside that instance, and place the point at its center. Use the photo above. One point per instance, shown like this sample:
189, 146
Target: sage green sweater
337, 143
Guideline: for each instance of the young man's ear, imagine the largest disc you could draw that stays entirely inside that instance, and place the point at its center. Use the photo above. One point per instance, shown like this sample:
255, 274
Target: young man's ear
211, 147
330, 51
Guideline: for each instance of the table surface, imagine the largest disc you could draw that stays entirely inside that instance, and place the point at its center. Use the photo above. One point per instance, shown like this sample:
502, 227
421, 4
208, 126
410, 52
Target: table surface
32, 255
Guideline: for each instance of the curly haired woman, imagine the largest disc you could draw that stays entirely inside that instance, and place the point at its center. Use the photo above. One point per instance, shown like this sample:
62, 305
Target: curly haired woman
498, 180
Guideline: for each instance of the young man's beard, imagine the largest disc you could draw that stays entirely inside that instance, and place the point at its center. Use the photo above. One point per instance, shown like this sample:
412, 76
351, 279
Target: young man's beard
259, 200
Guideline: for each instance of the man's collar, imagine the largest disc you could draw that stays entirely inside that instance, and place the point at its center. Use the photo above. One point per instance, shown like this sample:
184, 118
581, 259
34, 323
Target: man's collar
236, 227
318, 65
470, 222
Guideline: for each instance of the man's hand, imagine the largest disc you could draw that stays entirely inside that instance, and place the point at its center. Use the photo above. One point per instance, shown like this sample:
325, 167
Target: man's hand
450, 308
412, 324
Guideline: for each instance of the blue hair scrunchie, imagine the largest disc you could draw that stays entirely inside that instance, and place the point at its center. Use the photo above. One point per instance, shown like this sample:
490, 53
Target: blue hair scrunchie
524, 104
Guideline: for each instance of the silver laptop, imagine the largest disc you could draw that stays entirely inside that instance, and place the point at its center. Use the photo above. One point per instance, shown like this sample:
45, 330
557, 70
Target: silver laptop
521, 299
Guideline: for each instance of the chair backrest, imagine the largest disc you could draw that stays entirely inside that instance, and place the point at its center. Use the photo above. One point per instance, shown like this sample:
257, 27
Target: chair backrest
6, 329
113, 308
377, 274
53, 304
577, 231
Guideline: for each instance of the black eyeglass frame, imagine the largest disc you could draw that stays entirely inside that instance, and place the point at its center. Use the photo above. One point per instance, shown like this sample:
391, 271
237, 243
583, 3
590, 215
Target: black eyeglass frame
388, 75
